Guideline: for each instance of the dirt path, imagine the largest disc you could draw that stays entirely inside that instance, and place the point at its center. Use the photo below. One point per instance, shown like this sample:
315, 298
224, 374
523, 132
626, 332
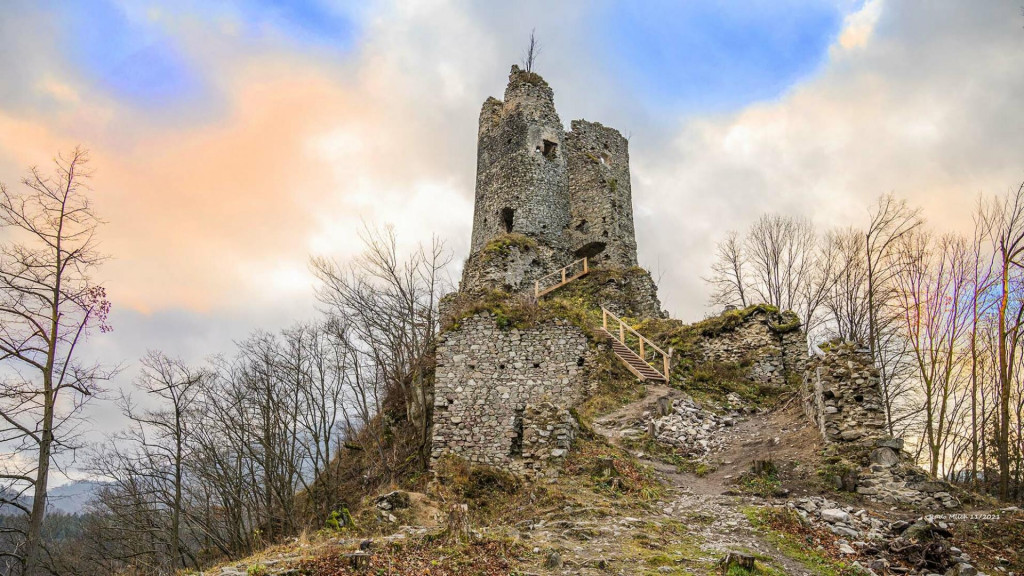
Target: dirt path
710, 497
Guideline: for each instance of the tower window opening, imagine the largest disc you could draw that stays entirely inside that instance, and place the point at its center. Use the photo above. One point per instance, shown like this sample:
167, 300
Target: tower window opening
516, 444
507, 218
549, 149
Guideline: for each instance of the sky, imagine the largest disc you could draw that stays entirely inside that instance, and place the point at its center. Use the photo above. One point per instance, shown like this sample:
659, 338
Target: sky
232, 140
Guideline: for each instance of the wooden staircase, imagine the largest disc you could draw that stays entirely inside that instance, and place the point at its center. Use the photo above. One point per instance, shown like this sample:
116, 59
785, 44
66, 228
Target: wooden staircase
561, 277
635, 361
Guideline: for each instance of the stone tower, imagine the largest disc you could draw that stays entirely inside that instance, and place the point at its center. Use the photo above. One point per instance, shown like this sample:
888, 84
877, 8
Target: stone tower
546, 198
521, 176
601, 203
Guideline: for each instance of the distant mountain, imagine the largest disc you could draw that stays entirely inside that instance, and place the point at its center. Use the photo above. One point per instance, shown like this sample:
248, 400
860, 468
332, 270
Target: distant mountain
72, 498
68, 498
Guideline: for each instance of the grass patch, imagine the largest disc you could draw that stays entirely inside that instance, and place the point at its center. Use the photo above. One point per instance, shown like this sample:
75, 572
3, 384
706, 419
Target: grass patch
502, 245
787, 532
762, 481
664, 548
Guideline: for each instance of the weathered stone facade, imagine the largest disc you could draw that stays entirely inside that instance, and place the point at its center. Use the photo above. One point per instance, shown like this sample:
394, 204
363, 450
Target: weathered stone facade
512, 269
486, 379
637, 295
521, 168
547, 435
771, 351
601, 200
569, 192
843, 395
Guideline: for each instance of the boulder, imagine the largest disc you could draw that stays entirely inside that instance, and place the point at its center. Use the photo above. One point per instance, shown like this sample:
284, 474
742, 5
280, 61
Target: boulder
891, 443
962, 569
396, 500
885, 457
834, 515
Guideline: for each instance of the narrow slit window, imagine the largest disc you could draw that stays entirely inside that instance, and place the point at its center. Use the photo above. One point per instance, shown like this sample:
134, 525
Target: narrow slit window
508, 216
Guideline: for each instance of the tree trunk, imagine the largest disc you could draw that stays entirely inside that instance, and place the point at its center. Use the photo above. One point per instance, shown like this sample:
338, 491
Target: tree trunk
33, 537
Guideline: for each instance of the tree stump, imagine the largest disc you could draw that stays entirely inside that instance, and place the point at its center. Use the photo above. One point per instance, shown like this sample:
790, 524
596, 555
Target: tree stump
359, 560
744, 561
763, 467
606, 468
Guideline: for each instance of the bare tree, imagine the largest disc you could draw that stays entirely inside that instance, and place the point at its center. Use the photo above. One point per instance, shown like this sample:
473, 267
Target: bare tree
1007, 237
891, 221
48, 304
389, 305
846, 300
728, 273
931, 291
532, 51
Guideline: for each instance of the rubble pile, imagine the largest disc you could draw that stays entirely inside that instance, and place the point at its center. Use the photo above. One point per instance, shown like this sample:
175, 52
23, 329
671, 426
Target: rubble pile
882, 547
685, 425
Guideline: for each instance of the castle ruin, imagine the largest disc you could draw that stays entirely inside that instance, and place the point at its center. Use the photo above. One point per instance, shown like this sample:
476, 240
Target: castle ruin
545, 200
546, 197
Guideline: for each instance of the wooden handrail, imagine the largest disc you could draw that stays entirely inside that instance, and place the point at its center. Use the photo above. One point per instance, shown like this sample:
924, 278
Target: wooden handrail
565, 277
666, 357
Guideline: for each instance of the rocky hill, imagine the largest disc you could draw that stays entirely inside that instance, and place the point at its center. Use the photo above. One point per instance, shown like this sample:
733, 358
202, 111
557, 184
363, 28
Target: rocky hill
729, 461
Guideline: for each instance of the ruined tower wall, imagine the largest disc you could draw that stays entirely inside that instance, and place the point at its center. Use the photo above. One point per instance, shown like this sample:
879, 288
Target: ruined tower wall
600, 198
843, 395
522, 177
771, 355
494, 387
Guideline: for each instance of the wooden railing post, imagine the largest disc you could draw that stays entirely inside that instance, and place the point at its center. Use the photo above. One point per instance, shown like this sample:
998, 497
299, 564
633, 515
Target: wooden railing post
604, 318
585, 268
622, 332
642, 355
668, 358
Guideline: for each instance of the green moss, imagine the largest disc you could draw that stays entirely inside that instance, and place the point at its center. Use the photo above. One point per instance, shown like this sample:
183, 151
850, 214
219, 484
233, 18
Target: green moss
503, 245
788, 322
510, 311
339, 519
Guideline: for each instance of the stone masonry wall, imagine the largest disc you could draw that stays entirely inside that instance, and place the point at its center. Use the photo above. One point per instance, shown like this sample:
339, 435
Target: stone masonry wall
842, 394
514, 270
569, 192
770, 353
548, 433
486, 379
600, 199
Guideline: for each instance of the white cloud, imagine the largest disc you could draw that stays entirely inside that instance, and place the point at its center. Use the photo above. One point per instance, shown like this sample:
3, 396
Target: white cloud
922, 107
